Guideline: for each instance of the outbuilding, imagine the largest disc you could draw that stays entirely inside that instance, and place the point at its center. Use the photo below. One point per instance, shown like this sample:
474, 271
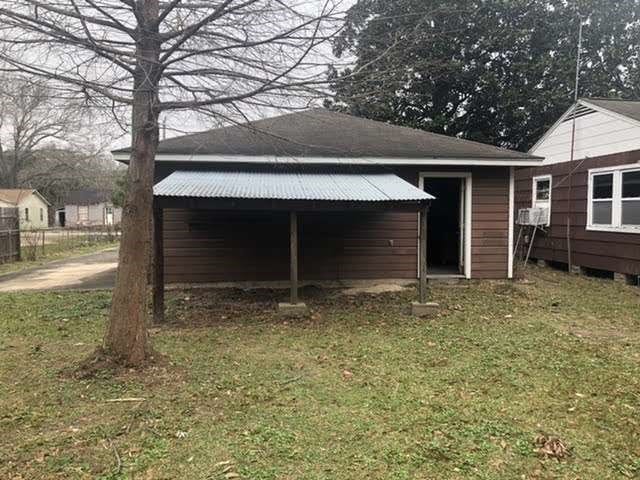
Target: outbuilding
349, 192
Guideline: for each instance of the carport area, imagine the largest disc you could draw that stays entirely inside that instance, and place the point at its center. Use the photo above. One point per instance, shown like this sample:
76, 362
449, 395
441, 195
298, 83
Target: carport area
294, 192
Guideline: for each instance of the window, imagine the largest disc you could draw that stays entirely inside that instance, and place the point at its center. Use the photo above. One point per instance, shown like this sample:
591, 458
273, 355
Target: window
602, 199
542, 196
42, 214
614, 199
631, 198
26, 214
83, 214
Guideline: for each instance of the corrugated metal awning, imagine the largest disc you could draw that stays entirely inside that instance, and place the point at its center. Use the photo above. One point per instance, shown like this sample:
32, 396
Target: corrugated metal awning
287, 185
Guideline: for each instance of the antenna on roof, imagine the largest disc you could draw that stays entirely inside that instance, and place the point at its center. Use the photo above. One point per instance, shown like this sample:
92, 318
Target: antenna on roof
576, 97
579, 59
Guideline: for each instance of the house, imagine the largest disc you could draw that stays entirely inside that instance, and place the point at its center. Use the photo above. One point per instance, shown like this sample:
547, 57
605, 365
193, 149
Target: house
33, 208
589, 188
337, 196
84, 208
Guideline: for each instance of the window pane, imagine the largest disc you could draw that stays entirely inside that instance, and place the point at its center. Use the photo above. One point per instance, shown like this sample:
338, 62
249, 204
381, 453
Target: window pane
603, 186
631, 185
602, 213
542, 189
631, 212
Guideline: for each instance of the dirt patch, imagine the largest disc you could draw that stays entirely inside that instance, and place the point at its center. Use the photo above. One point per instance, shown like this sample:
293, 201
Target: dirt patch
102, 365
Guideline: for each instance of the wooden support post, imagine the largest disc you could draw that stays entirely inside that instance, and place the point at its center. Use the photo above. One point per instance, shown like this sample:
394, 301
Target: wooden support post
423, 254
293, 223
158, 266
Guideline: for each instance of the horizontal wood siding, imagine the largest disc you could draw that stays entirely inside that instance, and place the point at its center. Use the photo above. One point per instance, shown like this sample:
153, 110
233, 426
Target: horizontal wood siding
204, 246
616, 252
490, 223
209, 246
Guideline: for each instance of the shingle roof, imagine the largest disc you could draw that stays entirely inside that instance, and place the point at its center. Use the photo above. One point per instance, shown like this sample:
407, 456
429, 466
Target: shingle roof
289, 185
628, 108
325, 133
87, 197
14, 195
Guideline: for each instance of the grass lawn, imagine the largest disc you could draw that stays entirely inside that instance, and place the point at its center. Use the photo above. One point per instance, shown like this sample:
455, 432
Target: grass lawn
359, 391
55, 252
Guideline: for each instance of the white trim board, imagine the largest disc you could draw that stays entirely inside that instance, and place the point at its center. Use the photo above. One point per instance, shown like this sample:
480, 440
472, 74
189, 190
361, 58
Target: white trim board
468, 211
534, 191
270, 159
512, 195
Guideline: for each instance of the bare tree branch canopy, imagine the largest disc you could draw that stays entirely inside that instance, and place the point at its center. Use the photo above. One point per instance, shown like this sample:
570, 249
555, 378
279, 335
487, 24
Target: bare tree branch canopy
152, 56
210, 53
31, 120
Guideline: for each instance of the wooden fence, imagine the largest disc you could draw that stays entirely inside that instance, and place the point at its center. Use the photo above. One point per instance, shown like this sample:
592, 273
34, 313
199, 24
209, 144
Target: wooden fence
9, 235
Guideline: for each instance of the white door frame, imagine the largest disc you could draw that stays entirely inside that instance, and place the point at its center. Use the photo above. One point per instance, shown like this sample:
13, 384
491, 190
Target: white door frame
466, 234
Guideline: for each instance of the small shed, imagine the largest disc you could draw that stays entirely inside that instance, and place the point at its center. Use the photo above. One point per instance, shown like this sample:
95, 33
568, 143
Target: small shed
225, 199
89, 208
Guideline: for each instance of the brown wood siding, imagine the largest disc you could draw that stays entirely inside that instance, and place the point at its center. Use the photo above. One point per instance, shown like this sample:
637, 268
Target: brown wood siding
490, 223
616, 252
212, 246
209, 246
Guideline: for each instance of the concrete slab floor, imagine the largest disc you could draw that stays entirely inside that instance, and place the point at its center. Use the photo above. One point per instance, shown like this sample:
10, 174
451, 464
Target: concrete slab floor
424, 309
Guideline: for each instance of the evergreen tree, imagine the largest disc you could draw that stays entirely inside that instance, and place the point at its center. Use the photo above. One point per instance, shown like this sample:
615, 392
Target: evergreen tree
495, 71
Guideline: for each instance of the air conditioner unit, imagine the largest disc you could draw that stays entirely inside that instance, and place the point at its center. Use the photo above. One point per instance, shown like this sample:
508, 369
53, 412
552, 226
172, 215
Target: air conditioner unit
533, 216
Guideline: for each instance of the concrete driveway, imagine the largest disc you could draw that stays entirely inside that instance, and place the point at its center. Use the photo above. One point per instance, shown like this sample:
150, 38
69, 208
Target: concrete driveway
86, 272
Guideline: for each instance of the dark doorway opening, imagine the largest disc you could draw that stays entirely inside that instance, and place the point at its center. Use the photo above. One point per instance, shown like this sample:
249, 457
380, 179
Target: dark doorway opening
444, 228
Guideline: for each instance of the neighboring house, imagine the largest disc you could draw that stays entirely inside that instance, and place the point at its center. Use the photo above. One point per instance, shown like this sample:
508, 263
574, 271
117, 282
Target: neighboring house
85, 208
349, 188
597, 193
32, 206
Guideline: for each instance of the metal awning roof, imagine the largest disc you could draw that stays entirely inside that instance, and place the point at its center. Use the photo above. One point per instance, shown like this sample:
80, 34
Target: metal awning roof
287, 185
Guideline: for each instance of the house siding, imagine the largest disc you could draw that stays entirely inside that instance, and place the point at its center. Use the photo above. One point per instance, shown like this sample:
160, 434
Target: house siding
212, 246
490, 223
96, 215
611, 251
596, 134
35, 205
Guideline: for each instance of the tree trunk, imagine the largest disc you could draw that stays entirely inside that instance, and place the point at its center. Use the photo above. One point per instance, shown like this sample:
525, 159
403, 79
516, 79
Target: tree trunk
126, 338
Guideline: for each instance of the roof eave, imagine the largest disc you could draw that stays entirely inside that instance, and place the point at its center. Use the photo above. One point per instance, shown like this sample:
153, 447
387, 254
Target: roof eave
524, 161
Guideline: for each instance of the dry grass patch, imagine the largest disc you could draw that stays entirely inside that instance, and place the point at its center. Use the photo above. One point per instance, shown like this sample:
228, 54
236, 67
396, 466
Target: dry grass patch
360, 389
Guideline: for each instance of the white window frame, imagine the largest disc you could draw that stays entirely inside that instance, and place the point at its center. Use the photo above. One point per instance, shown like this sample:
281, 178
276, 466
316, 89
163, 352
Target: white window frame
535, 203
616, 209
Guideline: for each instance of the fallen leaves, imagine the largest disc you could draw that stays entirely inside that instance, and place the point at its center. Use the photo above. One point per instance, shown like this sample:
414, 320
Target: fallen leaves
551, 447
225, 470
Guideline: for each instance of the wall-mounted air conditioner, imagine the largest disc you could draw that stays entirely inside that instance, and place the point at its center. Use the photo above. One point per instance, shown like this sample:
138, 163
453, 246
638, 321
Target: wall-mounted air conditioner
533, 216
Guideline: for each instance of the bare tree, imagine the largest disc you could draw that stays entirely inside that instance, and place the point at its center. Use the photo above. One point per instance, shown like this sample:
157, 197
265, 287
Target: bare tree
31, 118
150, 57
